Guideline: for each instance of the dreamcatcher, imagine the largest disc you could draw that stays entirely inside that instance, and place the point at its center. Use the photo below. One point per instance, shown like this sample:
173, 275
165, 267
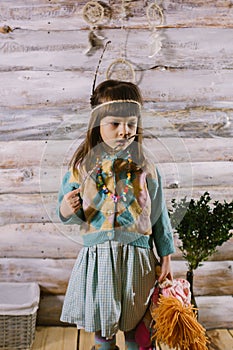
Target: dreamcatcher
96, 13
121, 69
155, 19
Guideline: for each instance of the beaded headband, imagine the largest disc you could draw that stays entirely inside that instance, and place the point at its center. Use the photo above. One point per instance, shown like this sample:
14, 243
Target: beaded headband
116, 101
119, 108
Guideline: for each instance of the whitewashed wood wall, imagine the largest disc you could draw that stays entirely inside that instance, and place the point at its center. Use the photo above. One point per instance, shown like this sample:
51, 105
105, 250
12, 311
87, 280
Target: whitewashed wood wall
45, 86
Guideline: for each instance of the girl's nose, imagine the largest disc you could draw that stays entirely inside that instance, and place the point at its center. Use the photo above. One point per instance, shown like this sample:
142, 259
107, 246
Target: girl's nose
123, 129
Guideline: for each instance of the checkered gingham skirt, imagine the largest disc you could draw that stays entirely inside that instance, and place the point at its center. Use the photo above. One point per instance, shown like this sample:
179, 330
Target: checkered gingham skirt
110, 287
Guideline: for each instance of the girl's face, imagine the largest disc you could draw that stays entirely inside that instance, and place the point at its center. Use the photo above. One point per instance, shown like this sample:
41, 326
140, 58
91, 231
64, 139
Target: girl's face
116, 132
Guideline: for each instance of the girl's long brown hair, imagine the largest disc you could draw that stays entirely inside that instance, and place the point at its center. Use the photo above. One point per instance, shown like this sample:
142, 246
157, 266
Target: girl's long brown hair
109, 90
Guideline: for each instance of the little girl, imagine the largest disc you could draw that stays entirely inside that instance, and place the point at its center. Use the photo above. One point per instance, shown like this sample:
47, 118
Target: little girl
114, 193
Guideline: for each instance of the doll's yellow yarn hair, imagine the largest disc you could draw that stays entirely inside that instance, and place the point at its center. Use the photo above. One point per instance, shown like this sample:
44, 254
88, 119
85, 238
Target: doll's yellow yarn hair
176, 325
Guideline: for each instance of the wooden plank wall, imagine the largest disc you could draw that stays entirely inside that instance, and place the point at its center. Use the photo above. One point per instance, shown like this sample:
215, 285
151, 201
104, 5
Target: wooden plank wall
46, 81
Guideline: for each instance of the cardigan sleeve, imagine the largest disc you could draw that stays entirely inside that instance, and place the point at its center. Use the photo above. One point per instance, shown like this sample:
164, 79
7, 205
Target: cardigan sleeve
67, 186
162, 232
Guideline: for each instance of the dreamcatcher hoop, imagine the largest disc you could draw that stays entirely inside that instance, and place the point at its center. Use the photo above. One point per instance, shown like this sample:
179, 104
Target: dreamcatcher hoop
153, 13
121, 69
173, 149
93, 12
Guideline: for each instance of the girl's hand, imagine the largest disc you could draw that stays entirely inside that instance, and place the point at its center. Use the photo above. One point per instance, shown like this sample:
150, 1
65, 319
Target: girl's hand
71, 203
166, 271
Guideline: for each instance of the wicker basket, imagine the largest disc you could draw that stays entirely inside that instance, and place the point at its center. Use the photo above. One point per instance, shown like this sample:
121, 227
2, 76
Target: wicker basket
18, 310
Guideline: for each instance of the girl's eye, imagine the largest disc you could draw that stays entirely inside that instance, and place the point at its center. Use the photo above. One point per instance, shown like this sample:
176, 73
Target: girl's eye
132, 125
115, 124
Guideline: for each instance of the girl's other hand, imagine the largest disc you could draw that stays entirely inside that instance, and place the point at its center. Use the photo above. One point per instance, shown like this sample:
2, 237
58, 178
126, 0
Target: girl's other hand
71, 203
166, 271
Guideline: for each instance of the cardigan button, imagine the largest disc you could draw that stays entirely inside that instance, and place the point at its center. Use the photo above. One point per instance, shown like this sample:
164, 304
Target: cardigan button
109, 212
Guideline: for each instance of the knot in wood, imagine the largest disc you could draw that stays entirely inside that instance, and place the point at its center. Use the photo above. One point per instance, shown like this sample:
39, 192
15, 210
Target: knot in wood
27, 173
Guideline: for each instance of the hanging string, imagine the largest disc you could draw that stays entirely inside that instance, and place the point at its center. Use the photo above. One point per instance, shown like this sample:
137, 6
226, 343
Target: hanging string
121, 68
155, 19
122, 17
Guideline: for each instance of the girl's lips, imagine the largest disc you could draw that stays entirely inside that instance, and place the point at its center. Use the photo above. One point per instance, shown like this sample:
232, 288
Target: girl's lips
124, 142
126, 139
121, 141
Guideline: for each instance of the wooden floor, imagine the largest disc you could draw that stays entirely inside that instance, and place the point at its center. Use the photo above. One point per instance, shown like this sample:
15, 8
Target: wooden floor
68, 338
